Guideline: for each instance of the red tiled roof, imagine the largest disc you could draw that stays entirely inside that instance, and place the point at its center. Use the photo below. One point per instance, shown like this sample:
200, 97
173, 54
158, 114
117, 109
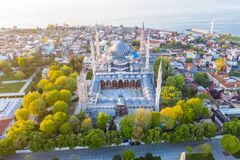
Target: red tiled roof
4, 123
220, 77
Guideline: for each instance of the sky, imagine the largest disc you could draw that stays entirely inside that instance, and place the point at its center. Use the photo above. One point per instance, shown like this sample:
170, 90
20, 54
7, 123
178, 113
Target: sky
29, 13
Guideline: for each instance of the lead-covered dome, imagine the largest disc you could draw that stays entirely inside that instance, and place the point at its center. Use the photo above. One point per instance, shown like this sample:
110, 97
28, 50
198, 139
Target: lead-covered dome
120, 49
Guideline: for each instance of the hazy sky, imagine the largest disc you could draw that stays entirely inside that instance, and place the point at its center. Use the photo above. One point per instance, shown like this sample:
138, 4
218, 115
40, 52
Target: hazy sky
24, 13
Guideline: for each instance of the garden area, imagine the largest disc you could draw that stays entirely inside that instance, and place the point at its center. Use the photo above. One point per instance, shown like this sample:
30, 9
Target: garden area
11, 87
17, 70
43, 122
203, 152
199, 156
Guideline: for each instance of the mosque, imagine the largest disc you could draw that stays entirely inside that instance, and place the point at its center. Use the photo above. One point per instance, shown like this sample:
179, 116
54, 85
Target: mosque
123, 80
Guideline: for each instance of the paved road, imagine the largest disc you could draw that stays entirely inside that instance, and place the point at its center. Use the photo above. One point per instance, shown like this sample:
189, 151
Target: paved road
166, 151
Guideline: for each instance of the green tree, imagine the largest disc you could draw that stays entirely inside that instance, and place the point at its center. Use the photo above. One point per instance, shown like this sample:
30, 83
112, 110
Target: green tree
181, 134
60, 141
22, 62
113, 137
155, 119
42, 83
190, 91
65, 128
143, 118
59, 118
66, 70
52, 97
199, 132
126, 126
95, 139
166, 67
74, 122
86, 125
128, 155
202, 79
210, 129
38, 141
230, 143
47, 126
170, 96
49, 86
17, 136
60, 106
7, 146
19, 75
102, 120
179, 81
189, 149
71, 140
170, 81
153, 135
55, 75
204, 148
22, 114
29, 98
231, 127
37, 107
65, 95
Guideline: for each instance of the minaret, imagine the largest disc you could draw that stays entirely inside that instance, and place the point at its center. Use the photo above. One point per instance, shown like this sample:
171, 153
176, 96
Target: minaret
142, 42
147, 52
93, 56
158, 89
97, 42
212, 27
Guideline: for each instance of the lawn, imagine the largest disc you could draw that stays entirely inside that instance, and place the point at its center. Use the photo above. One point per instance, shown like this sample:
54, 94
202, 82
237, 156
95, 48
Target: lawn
7, 77
13, 87
33, 84
199, 156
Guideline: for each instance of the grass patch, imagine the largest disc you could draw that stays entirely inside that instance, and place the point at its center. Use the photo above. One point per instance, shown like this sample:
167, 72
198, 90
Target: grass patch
199, 156
33, 84
7, 77
12, 87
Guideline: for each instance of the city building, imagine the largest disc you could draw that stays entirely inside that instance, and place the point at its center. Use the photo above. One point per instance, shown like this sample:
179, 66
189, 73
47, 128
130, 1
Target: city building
7, 110
122, 80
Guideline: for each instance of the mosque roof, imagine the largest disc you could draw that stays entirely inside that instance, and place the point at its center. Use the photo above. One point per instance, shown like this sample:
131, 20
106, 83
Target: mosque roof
120, 49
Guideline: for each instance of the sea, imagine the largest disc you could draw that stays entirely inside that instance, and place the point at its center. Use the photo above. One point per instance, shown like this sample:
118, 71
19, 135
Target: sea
173, 15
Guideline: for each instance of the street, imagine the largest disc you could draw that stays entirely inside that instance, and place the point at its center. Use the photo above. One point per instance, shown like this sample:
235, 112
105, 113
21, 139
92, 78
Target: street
166, 151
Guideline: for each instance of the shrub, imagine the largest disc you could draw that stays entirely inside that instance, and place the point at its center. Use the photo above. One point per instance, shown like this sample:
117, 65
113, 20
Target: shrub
19, 75
117, 157
128, 155
149, 156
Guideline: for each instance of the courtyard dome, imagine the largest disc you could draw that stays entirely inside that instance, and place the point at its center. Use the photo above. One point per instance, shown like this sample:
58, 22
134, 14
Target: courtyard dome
120, 49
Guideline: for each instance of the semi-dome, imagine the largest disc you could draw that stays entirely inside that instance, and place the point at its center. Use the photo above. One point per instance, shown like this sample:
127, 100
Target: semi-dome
120, 61
120, 49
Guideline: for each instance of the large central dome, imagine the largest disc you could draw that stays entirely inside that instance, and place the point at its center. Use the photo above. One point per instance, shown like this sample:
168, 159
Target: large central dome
120, 49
